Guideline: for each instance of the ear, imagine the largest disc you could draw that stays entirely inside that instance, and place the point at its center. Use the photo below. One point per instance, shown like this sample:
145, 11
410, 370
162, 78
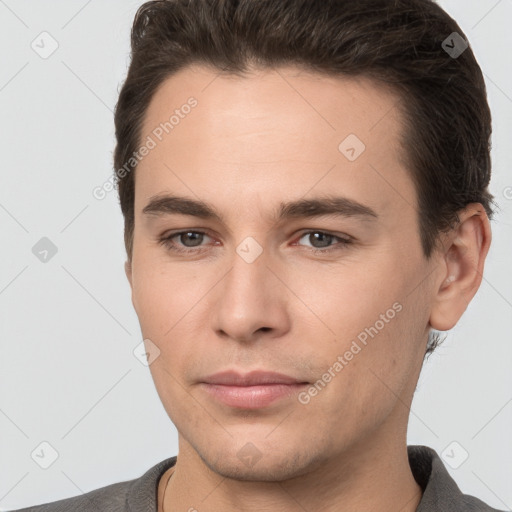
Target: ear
128, 272
465, 250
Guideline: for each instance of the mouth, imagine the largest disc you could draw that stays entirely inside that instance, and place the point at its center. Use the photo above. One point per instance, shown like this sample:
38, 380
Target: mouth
253, 390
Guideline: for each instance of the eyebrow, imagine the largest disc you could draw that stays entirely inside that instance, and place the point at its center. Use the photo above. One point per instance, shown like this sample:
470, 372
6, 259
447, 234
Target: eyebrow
302, 208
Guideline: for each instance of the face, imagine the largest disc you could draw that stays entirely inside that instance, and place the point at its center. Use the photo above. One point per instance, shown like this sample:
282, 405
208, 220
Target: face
287, 313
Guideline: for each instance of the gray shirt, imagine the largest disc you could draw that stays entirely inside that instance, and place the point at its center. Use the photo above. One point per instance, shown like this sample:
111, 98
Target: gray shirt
440, 492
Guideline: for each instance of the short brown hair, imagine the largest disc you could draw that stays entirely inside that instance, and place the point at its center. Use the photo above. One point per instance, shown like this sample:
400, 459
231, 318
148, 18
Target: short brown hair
399, 43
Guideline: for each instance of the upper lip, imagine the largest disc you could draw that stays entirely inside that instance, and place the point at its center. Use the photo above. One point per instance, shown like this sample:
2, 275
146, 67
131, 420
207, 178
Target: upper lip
254, 378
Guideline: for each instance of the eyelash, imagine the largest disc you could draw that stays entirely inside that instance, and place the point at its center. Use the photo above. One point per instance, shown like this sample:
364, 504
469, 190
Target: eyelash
167, 242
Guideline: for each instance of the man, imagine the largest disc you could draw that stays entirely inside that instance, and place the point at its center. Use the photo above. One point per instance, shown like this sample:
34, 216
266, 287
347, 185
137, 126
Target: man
304, 187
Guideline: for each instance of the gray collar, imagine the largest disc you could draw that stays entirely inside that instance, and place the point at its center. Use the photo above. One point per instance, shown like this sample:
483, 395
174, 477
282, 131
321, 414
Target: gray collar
440, 492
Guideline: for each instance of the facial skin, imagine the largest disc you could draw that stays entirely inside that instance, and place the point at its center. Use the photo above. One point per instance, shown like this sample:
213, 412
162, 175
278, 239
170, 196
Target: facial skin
249, 145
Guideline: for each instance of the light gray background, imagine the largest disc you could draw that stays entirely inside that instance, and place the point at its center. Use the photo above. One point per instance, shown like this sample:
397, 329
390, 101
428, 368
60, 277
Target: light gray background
68, 375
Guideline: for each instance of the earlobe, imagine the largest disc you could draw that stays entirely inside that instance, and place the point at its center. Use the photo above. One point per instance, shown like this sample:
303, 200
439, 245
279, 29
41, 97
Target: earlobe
463, 260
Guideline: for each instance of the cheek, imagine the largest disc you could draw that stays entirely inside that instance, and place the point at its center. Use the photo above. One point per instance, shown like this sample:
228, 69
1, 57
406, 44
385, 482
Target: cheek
163, 296
170, 304
374, 319
349, 297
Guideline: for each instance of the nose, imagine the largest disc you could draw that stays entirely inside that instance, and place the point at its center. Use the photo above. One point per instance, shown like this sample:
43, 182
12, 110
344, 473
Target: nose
250, 301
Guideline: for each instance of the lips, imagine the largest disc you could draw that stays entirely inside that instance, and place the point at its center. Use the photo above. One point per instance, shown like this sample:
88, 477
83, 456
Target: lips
253, 390
255, 378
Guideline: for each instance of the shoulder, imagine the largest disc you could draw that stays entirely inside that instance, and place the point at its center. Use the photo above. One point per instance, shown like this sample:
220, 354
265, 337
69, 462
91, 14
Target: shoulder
111, 498
131, 495
440, 492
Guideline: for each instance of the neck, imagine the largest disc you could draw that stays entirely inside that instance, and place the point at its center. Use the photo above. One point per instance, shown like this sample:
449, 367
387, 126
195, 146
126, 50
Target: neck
373, 475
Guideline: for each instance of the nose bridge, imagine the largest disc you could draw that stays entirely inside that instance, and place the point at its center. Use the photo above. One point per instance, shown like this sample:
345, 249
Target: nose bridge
248, 298
248, 282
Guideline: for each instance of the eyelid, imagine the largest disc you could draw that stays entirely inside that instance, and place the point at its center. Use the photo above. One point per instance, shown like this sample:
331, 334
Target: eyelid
341, 236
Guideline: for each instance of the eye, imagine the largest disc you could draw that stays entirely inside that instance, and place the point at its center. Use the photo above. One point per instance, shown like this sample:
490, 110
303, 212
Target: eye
184, 238
191, 241
321, 241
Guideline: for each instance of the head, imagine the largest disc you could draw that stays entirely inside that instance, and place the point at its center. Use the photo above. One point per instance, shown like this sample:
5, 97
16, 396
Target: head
260, 118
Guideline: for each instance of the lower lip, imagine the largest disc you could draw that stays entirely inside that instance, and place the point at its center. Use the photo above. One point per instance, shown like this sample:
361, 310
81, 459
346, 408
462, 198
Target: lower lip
251, 397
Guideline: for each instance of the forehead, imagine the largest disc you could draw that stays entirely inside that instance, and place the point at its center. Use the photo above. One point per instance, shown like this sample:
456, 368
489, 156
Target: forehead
271, 128
283, 96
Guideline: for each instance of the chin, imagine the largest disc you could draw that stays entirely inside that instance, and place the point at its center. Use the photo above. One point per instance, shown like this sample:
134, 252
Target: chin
253, 466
